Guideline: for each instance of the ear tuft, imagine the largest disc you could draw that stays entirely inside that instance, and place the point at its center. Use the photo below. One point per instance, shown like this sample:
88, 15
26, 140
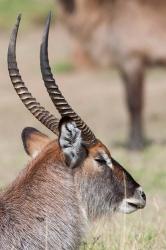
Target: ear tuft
71, 142
33, 141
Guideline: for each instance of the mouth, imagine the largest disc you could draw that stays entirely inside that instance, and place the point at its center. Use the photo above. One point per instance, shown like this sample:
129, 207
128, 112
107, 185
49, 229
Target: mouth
136, 205
133, 203
128, 206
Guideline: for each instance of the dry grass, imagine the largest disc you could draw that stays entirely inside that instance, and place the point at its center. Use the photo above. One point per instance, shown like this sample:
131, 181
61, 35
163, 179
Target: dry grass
98, 97
145, 229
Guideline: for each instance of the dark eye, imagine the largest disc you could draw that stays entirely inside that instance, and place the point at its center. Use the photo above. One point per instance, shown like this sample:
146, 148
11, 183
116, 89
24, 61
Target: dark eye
100, 161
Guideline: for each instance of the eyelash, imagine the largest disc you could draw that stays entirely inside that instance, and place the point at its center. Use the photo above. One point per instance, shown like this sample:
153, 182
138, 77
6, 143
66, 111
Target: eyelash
100, 161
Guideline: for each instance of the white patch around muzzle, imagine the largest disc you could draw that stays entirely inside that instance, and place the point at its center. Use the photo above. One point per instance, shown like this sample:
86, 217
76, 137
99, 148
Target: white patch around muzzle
137, 201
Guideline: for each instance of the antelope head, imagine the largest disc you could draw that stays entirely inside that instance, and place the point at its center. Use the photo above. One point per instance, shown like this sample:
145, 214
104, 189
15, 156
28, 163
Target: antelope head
102, 184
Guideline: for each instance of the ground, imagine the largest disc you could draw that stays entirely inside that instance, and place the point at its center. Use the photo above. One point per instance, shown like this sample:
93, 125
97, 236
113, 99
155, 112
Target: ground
98, 96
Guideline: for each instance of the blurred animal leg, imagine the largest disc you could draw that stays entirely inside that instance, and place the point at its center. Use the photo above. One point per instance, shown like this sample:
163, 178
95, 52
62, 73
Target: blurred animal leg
133, 77
68, 5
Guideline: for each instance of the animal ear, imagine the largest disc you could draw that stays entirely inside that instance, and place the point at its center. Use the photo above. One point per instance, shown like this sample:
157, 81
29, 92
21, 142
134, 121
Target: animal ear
71, 143
33, 141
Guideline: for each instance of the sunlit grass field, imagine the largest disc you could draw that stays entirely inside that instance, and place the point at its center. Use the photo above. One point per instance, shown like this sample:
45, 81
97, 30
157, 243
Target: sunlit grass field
99, 98
33, 11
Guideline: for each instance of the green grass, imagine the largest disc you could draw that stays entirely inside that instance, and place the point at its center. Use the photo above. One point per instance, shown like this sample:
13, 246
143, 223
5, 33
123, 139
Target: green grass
33, 11
63, 67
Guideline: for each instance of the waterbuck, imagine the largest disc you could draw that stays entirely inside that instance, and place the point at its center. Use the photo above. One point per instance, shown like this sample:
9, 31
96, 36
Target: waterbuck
69, 181
127, 33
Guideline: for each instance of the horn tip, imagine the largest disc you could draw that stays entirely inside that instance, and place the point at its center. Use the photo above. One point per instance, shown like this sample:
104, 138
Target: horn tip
49, 14
49, 18
19, 17
48, 21
46, 30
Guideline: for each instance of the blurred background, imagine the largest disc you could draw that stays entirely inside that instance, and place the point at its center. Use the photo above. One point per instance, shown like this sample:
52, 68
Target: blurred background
89, 52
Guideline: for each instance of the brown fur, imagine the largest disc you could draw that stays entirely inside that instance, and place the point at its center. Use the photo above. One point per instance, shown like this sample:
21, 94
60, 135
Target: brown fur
44, 206
37, 197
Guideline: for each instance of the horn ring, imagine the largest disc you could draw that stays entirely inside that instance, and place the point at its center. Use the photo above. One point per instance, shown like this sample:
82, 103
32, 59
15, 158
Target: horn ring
41, 114
56, 96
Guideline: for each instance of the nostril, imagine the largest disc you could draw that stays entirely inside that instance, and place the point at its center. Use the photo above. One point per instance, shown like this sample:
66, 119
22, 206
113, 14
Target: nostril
143, 195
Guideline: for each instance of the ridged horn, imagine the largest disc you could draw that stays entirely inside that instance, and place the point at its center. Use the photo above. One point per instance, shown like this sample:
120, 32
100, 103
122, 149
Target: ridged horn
56, 96
44, 116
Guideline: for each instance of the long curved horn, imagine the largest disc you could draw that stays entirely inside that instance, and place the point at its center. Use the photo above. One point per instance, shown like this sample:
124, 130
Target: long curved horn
44, 116
58, 99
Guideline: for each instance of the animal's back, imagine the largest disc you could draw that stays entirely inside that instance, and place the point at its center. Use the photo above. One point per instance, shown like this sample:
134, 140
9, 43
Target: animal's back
116, 30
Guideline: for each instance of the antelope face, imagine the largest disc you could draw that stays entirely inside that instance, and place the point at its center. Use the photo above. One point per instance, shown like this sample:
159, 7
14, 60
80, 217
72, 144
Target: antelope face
112, 188
103, 184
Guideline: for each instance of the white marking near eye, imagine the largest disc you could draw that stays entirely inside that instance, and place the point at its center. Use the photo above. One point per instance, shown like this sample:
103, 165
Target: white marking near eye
140, 189
108, 160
